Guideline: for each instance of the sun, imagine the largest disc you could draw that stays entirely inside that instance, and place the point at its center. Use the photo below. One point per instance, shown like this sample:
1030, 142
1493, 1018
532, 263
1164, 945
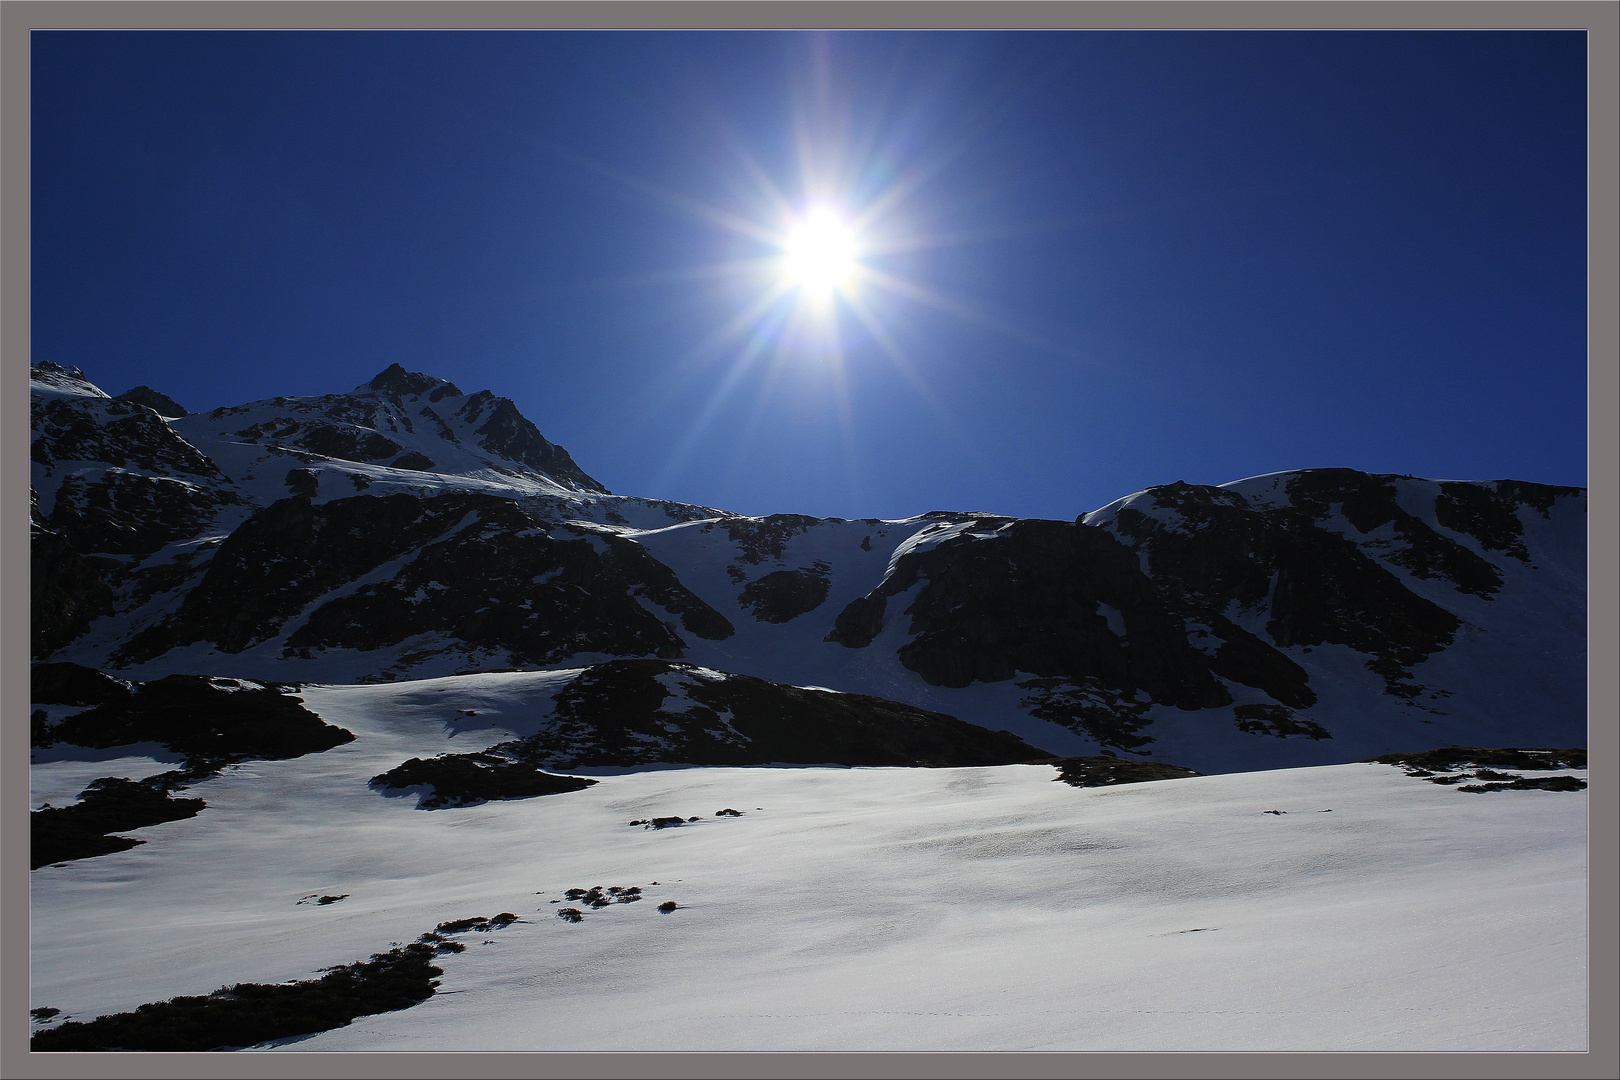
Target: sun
820, 253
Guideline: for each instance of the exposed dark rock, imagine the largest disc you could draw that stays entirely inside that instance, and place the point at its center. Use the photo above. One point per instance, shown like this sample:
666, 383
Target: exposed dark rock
1027, 599
650, 578
65, 593
1490, 512
1276, 721
1316, 585
350, 444
75, 684
128, 513
509, 433
1368, 502
415, 460
302, 482
1089, 708
109, 805
1107, 771
394, 379
484, 571
764, 538
784, 595
468, 779
115, 433
162, 404
612, 714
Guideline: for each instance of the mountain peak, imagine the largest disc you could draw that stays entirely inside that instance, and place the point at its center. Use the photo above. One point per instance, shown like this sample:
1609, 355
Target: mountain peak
158, 402
396, 380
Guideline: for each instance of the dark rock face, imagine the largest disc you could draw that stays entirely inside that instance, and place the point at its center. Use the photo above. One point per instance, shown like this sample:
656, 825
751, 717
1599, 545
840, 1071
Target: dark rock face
329, 440
1276, 721
507, 432
396, 381
1316, 586
765, 538
113, 432
1490, 512
74, 684
162, 404
616, 714
784, 595
1027, 599
415, 461
475, 568
126, 513
66, 594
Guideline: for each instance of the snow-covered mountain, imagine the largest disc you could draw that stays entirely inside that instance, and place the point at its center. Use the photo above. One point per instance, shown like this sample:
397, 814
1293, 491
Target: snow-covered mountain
319, 676
408, 530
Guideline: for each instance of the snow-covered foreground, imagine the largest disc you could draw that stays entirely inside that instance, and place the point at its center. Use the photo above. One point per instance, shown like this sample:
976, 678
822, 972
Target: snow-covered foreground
853, 909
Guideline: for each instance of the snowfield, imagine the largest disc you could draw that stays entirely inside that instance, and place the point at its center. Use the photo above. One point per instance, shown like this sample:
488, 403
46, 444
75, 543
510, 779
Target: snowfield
846, 909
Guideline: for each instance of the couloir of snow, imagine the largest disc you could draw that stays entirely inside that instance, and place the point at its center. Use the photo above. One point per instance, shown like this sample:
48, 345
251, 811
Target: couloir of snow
847, 909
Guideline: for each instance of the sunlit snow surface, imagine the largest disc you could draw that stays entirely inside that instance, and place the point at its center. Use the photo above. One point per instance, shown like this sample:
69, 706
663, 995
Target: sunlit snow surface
848, 909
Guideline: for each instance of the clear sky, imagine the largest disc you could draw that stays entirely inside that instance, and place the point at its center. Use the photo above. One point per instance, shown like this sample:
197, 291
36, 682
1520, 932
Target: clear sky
848, 274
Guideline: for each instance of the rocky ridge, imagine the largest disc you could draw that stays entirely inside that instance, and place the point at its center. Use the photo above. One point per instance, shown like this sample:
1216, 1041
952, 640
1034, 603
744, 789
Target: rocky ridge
408, 530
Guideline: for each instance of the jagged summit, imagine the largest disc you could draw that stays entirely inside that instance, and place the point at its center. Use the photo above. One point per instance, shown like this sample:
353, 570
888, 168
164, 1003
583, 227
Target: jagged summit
158, 402
396, 380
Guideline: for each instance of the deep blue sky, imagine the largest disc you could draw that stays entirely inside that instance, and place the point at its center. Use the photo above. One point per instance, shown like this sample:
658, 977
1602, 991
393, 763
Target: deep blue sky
1151, 257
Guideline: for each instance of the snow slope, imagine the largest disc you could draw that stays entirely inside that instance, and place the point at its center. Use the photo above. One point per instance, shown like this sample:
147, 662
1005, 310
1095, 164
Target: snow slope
849, 909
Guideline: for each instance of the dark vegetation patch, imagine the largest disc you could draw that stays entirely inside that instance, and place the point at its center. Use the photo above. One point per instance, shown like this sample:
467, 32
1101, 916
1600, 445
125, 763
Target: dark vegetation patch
784, 595
728, 812
479, 569
109, 805
1107, 771
1276, 721
213, 722
668, 906
477, 923
660, 822
247, 1014
323, 901
1477, 764
612, 714
1511, 757
468, 779
1521, 783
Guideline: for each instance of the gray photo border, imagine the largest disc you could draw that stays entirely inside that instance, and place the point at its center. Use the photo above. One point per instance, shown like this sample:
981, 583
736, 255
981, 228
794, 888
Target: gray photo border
1601, 18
